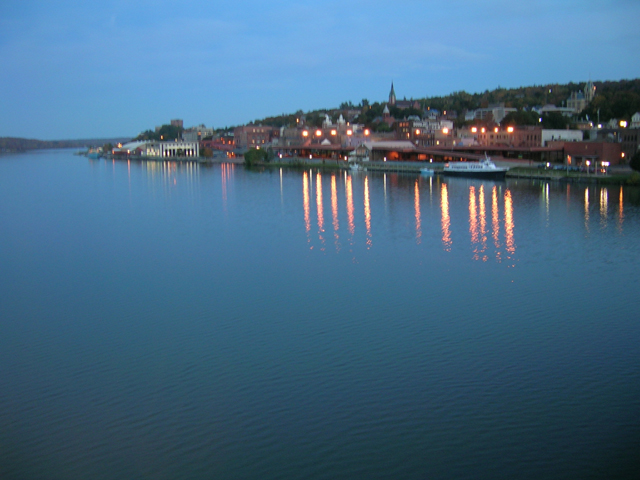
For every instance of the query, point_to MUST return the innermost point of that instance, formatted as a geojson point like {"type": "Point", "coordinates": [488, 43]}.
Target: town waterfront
{"type": "Point", "coordinates": [180, 320]}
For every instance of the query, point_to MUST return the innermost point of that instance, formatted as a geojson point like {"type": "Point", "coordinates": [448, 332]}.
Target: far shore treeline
{"type": "Point", "coordinates": [13, 145]}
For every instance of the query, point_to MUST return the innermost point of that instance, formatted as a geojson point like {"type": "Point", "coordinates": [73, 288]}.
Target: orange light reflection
{"type": "Point", "coordinates": [416, 204]}
{"type": "Point", "coordinates": [349, 193]}
{"type": "Point", "coordinates": [446, 220]}
{"type": "Point", "coordinates": [334, 211]}
{"type": "Point", "coordinates": [319, 206]}
{"type": "Point", "coordinates": [508, 222]}
{"type": "Point", "coordinates": [305, 202]}
{"type": "Point", "coordinates": [367, 211]}
{"type": "Point", "coordinates": [495, 221]}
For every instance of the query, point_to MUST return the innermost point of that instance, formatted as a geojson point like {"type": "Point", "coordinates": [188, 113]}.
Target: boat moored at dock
{"type": "Point", "coordinates": [482, 169]}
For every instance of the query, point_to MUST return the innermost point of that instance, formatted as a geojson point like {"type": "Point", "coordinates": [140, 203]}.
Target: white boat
{"type": "Point", "coordinates": [429, 172]}
{"type": "Point", "coordinates": [355, 167]}
{"type": "Point", "coordinates": [482, 169]}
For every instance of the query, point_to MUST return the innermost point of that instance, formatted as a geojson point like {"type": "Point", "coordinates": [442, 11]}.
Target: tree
{"type": "Point", "coordinates": [555, 121]}
{"type": "Point", "coordinates": [383, 127]}
{"type": "Point", "coordinates": [634, 163]}
{"type": "Point", "coordinates": [254, 156]}
{"type": "Point", "coordinates": [520, 117]}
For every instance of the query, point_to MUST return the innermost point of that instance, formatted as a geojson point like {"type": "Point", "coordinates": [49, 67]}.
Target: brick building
{"type": "Point", "coordinates": [523, 136]}
{"type": "Point", "coordinates": [577, 153]}
{"type": "Point", "coordinates": [252, 136]}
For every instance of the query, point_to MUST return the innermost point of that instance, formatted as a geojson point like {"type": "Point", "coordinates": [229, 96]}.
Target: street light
{"type": "Point", "coordinates": [510, 129]}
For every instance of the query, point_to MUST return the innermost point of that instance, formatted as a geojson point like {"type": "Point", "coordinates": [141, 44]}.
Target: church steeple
{"type": "Point", "coordinates": [392, 96]}
{"type": "Point", "coordinates": [589, 90]}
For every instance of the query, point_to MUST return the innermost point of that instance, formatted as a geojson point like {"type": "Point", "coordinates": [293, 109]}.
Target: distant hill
{"type": "Point", "coordinates": [12, 144]}
{"type": "Point", "coordinates": [613, 99]}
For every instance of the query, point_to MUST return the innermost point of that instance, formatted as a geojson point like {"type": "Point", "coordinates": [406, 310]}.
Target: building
{"type": "Point", "coordinates": [425, 133]}
{"type": "Point", "coordinates": [523, 136]}
{"type": "Point", "coordinates": [177, 123]}
{"type": "Point", "coordinates": [392, 96]}
{"type": "Point", "coordinates": [496, 111]}
{"type": "Point", "coordinates": [176, 149]}
{"type": "Point", "coordinates": [196, 134]}
{"type": "Point", "coordinates": [566, 111]}
{"type": "Point", "coordinates": [577, 102]}
{"type": "Point", "coordinates": [549, 135]}
{"type": "Point", "coordinates": [252, 136]}
{"type": "Point", "coordinates": [578, 153]}
{"type": "Point", "coordinates": [179, 149]}
{"type": "Point", "coordinates": [629, 142]}
{"type": "Point", "coordinates": [635, 120]}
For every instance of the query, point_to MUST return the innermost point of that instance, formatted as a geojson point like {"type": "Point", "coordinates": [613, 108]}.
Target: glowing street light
{"type": "Point", "coordinates": [305, 133]}
{"type": "Point", "coordinates": [334, 132]}
{"type": "Point", "coordinates": [417, 131]}
{"type": "Point", "coordinates": [349, 132]}
{"type": "Point", "coordinates": [623, 123]}
{"type": "Point", "coordinates": [495, 130]}
{"type": "Point", "coordinates": [366, 132]}
{"type": "Point", "coordinates": [474, 129]}
{"type": "Point", "coordinates": [445, 130]}
{"type": "Point", "coordinates": [318, 133]}
{"type": "Point", "coordinates": [510, 129]}
{"type": "Point", "coordinates": [483, 130]}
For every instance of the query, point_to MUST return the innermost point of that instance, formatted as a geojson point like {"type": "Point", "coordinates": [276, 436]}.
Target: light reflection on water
{"type": "Point", "coordinates": [139, 340]}
{"type": "Point", "coordinates": [479, 228]}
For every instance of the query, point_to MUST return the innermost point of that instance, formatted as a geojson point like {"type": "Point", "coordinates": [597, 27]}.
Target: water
{"type": "Point", "coordinates": [182, 321]}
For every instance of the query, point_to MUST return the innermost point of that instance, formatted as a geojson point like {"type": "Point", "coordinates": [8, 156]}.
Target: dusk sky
{"type": "Point", "coordinates": [78, 69]}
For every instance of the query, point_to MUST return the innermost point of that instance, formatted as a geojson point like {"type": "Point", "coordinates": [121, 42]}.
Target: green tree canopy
{"type": "Point", "coordinates": [521, 117]}
{"type": "Point", "coordinates": [166, 133]}
{"type": "Point", "coordinates": [555, 121]}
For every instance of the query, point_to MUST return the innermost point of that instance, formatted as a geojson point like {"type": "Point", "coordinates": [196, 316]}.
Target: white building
{"type": "Point", "coordinates": [549, 135]}
{"type": "Point", "coordinates": [179, 149]}
{"type": "Point", "coordinates": [160, 149]}
{"type": "Point", "coordinates": [567, 112]}
{"type": "Point", "coordinates": [498, 112]}
{"type": "Point", "coordinates": [195, 134]}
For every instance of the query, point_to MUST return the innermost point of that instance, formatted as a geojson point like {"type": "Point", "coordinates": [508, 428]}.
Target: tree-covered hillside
{"type": "Point", "coordinates": [614, 99]}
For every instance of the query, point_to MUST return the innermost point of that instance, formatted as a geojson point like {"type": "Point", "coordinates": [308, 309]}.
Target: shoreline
{"type": "Point", "coordinates": [621, 177]}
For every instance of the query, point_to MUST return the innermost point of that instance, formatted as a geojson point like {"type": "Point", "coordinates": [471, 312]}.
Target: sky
{"type": "Point", "coordinates": [114, 68]}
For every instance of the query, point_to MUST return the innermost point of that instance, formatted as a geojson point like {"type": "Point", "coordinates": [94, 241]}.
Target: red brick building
{"type": "Point", "coordinates": [576, 153]}
{"type": "Point", "coordinates": [252, 136]}
{"type": "Point", "coordinates": [523, 136]}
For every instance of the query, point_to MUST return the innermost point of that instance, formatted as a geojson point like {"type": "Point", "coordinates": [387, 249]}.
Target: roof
{"type": "Point", "coordinates": [132, 145]}
{"type": "Point", "coordinates": [390, 145]}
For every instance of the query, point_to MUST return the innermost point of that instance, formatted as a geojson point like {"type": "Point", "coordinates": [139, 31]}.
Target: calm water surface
{"type": "Point", "coordinates": [171, 320]}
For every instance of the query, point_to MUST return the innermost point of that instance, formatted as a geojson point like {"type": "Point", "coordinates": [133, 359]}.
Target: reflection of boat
{"type": "Point", "coordinates": [482, 169]}
{"type": "Point", "coordinates": [427, 171]}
